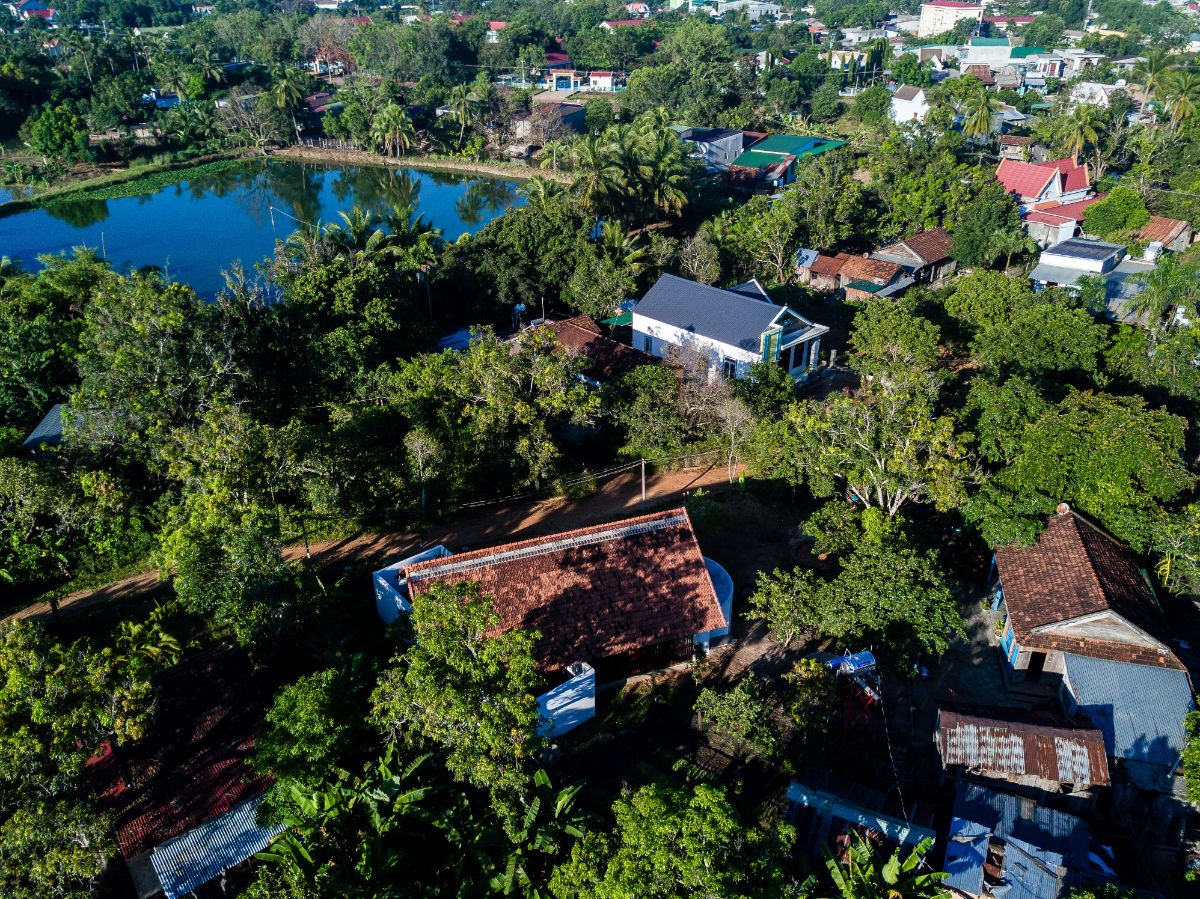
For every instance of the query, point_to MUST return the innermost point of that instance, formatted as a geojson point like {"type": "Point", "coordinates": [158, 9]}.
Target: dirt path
{"type": "Point", "coordinates": [615, 497]}
{"type": "Point", "coordinates": [496, 169]}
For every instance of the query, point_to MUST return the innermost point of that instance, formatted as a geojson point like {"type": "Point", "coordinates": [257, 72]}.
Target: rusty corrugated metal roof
{"type": "Point", "coordinates": [1073, 755]}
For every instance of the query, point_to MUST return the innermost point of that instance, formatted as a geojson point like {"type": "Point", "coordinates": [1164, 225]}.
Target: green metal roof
{"type": "Point", "coordinates": [625, 318]}
{"type": "Point", "coordinates": [988, 42]}
{"type": "Point", "coordinates": [1023, 52]}
{"type": "Point", "coordinates": [775, 148]}
{"type": "Point", "coordinates": [865, 286]}
{"type": "Point", "coordinates": [753, 159]}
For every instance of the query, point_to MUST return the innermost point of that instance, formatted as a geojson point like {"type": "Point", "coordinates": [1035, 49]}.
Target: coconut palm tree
{"type": "Point", "coordinates": [539, 192]}
{"type": "Point", "coordinates": [1182, 95]}
{"type": "Point", "coordinates": [393, 129]}
{"type": "Point", "coordinates": [1154, 72]}
{"type": "Point", "coordinates": [287, 90]}
{"type": "Point", "coordinates": [979, 108]}
{"type": "Point", "coordinates": [1082, 128]}
{"type": "Point", "coordinates": [666, 174]}
{"type": "Point", "coordinates": [208, 65]}
{"type": "Point", "coordinates": [597, 175]}
{"type": "Point", "coordinates": [621, 248]}
{"type": "Point", "coordinates": [460, 107]}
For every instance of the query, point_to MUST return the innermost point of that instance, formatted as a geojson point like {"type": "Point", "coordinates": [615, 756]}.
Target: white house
{"type": "Point", "coordinates": [754, 9]}
{"type": "Point", "coordinates": [1095, 93]}
{"type": "Point", "coordinates": [717, 147]}
{"type": "Point", "coordinates": [938, 16]}
{"type": "Point", "coordinates": [909, 104]}
{"type": "Point", "coordinates": [734, 327]}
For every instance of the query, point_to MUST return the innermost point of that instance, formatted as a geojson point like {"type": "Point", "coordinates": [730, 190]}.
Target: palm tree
{"type": "Point", "coordinates": [208, 65]}
{"type": "Point", "coordinates": [357, 236]}
{"type": "Point", "coordinates": [979, 109]}
{"type": "Point", "coordinates": [1182, 95]}
{"type": "Point", "coordinates": [287, 90]}
{"type": "Point", "coordinates": [861, 876]}
{"type": "Point", "coordinates": [1083, 128]}
{"type": "Point", "coordinates": [539, 192]}
{"type": "Point", "coordinates": [666, 174]}
{"type": "Point", "coordinates": [1011, 243]}
{"type": "Point", "coordinates": [597, 175]}
{"type": "Point", "coordinates": [392, 128]}
{"type": "Point", "coordinates": [460, 107]}
{"type": "Point", "coordinates": [1154, 72]}
{"type": "Point", "coordinates": [623, 249]}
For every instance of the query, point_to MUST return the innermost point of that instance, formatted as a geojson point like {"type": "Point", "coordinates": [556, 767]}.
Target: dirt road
{"type": "Point", "coordinates": [617, 496]}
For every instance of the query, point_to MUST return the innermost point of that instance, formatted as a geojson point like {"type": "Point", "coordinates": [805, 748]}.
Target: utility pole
{"type": "Point", "coordinates": [643, 485]}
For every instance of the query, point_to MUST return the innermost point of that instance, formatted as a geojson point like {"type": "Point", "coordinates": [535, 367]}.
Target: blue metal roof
{"type": "Point", "coordinates": [49, 430]}
{"type": "Point", "coordinates": [1138, 708]}
{"type": "Point", "coordinates": [196, 857]}
{"type": "Point", "coordinates": [966, 851]}
{"type": "Point", "coordinates": [1042, 846]}
{"type": "Point", "coordinates": [726, 316]}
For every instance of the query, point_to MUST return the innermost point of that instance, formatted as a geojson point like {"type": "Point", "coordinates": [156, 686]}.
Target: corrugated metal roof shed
{"type": "Point", "coordinates": [1138, 708]}
{"type": "Point", "coordinates": [1038, 849]}
{"type": "Point", "coordinates": [833, 813]}
{"type": "Point", "coordinates": [1019, 748]}
{"type": "Point", "coordinates": [196, 857]}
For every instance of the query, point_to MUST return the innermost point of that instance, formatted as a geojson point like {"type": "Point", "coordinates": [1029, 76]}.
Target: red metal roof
{"type": "Point", "coordinates": [1075, 176]}
{"type": "Point", "coordinates": [614, 23]}
{"type": "Point", "coordinates": [1011, 748]}
{"type": "Point", "coordinates": [829, 265]}
{"type": "Point", "coordinates": [497, 26]}
{"type": "Point", "coordinates": [952, 4]}
{"type": "Point", "coordinates": [1161, 229]}
{"type": "Point", "coordinates": [1025, 179]}
{"type": "Point", "coordinates": [864, 268]}
{"type": "Point", "coordinates": [594, 592]}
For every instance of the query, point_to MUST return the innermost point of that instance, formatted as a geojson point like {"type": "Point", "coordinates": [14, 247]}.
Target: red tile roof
{"type": "Point", "coordinates": [1072, 210]}
{"type": "Point", "coordinates": [607, 358]}
{"type": "Point", "coordinates": [1015, 140]}
{"type": "Point", "coordinates": [497, 26]}
{"type": "Point", "coordinates": [615, 23]}
{"type": "Point", "coordinates": [594, 592]}
{"type": "Point", "coordinates": [1075, 176]}
{"type": "Point", "coordinates": [1075, 569]}
{"type": "Point", "coordinates": [1025, 179]}
{"type": "Point", "coordinates": [191, 766]}
{"type": "Point", "coordinates": [931, 246]}
{"type": "Point", "coordinates": [1017, 748]}
{"type": "Point", "coordinates": [1161, 229]}
{"type": "Point", "coordinates": [952, 4]}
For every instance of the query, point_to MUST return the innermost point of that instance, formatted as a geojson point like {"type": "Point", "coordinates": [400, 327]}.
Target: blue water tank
{"type": "Point", "coordinates": [858, 663]}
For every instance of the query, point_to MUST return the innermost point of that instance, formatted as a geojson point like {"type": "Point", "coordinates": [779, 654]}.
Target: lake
{"type": "Point", "coordinates": [196, 229]}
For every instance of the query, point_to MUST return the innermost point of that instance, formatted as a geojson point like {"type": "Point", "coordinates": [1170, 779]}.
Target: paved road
{"type": "Point", "coordinates": [617, 496]}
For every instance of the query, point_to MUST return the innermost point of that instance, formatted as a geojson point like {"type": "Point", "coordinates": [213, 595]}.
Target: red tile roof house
{"type": "Point", "coordinates": [1077, 611]}
{"type": "Point", "coordinates": [183, 797]}
{"type": "Point", "coordinates": [607, 359]}
{"type": "Point", "coordinates": [609, 601]}
{"type": "Point", "coordinates": [924, 256]}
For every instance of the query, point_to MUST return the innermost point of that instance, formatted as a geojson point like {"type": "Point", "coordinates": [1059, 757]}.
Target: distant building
{"type": "Point", "coordinates": [612, 24]}
{"type": "Point", "coordinates": [909, 104]}
{"type": "Point", "coordinates": [938, 16]}
{"type": "Point", "coordinates": [717, 147]}
{"type": "Point", "coordinates": [1036, 183]}
{"type": "Point", "coordinates": [492, 35]}
{"type": "Point", "coordinates": [734, 328]}
{"type": "Point", "coordinates": [924, 256]}
{"type": "Point", "coordinates": [771, 163]}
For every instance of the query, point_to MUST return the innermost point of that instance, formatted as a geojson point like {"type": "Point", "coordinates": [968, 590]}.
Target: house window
{"type": "Point", "coordinates": [647, 343]}
{"type": "Point", "coordinates": [729, 369]}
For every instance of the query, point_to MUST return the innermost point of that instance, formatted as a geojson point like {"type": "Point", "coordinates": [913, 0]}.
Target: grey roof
{"type": "Point", "coordinates": [1120, 292]}
{"type": "Point", "coordinates": [1082, 248]}
{"type": "Point", "coordinates": [49, 430]}
{"type": "Point", "coordinates": [1056, 274]}
{"type": "Point", "coordinates": [908, 92]}
{"type": "Point", "coordinates": [1138, 708]}
{"type": "Point", "coordinates": [707, 135]}
{"type": "Point", "coordinates": [1044, 847]}
{"type": "Point", "coordinates": [721, 315]}
{"type": "Point", "coordinates": [196, 857]}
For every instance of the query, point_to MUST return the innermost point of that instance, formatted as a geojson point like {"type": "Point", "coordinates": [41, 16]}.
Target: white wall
{"type": "Point", "coordinates": [663, 336]}
{"type": "Point", "coordinates": [570, 703]}
{"type": "Point", "coordinates": [909, 110]}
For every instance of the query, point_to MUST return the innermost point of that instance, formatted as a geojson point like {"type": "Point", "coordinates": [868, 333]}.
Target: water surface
{"type": "Point", "coordinates": [196, 229]}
